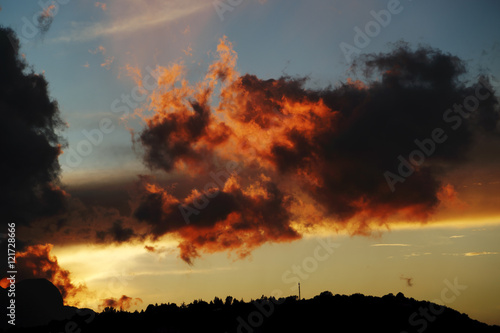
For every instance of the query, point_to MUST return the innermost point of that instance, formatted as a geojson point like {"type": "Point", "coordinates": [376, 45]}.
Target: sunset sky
{"type": "Point", "coordinates": [216, 148]}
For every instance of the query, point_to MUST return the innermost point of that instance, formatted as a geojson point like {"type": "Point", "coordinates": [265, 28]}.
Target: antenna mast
{"type": "Point", "coordinates": [299, 291]}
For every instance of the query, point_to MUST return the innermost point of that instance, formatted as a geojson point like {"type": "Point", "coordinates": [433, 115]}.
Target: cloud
{"type": "Point", "coordinates": [100, 49]}
{"type": "Point", "coordinates": [390, 245]}
{"type": "Point", "coordinates": [238, 219]}
{"type": "Point", "coordinates": [99, 213]}
{"type": "Point", "coordinates": [474, 254]}
{"type": "Point", "coordinates": [151, 249]}
{"type": "Point", "coordinates": [188, 51]}
{"type": "Point", "coordinates": [45, 18]}
{"type": "Point", "coordinates": [470, 254]}
{"type": "Point", "coordinates": [302, 158]}
{"type": "Point", "coordinates": [31, 145]}
{"type": "Point", "coordinates": [409, 280]}
{"type": "Point", "coordinates": [415, 254]}
{"type": "Point", "coordinates": [457, 236]}
{"type": "Point", "coordinates": [138, 17]}
{"type": "Point", "coordinates": [184, 272]}
{"type": "Point", "coordinates": [448, 196]}
{"type": "Point", "coordinates": [101, 5]}
{"type": "Point", "coordinates": [37, 262]}
{"type": "Point", "coordinates": [107, 62]}
{"type": "Point", "coordinates": [117, 233]}
{"type": "Point", "coordinates": [123, 303]}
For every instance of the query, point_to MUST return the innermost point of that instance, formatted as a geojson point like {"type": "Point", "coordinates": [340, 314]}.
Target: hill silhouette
{"type": "Point", "coordinates": [37, 303]}
{"type": "Point", "coordinates": [336, 313]}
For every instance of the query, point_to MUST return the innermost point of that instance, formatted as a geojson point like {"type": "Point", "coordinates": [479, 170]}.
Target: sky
{"type": "Point", "coordinates": [166, 151]}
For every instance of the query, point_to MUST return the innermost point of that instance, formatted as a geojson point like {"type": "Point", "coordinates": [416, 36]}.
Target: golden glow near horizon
{"type": "Point", "coordinates": [427, 254]}
{"type": "Point", "coordinates": [370, 265]}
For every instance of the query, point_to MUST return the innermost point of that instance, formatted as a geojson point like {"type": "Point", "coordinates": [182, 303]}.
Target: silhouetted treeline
{"type": "Point", "coordinates": [323, 313]}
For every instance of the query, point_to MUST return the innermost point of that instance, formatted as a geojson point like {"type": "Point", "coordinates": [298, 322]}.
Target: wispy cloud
{"type": "Point", "coordinates": [377, 245]}
{"type": "Point", "coordinates": [45, 18]}
{"type": "Point", "coordinates": [184, 271]}
{"type": "Point", "coordinates": [470, 254]}
{"type": "Point", "coordinates": [101, 5]}
{"type": "Point", "coordinates": [415, 254]}
{"type": "Point", "coordinates": [107, 62]}
{"type": "Point", "coordinates": [100, 49]}
{"type": "Point", "coordinates": [457, 236]}
{"type": "Point", "coordinates": [473, 254]}
{"type": "Point", "coordinates": [409, 280]}
{"type": "Point", "coordinates": [136, 21]}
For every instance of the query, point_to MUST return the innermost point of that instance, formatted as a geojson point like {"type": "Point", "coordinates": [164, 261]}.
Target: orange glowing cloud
{"type": "Point", "coordinates": [37, 262]}
{"type": "Point", "coordinates": [107, 62]}
{"type": "Point", "coordinates": [4, 283]}
{"type": "Point", "coordinates": [449, 197]}
{"type": "Point", "coordinates": [299, 157]}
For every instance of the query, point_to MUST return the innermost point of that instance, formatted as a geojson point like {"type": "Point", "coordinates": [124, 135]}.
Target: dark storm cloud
{"type": "Point", "coordinates": [370, 125]}
{"type": "Point", "coordinates": [30, 145]}
{"type": "Point", "coordinates": [117, 233]}
{"type": "Point", "coordinates": [169, 139]}
{"type": "Point", "coordinates": [234, 219]}
{"type": "Point", "coordinates": [376, 124]}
